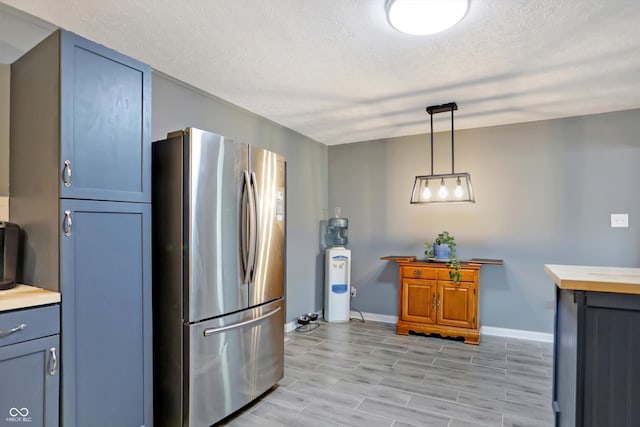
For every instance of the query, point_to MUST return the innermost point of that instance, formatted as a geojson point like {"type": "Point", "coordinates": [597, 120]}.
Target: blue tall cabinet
{"type": "Point", "coordinates": [80, 188]}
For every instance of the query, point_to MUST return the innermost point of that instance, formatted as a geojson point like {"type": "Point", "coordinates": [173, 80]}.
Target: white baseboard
{"type": "Point", "coordinates": [290, 326]}
{"type": "Point", "coordinates": [374, 317]}
{"type": "Point", "coordinates": [516, 333]}
{"type": "Point", "coordinates": [484, 330]}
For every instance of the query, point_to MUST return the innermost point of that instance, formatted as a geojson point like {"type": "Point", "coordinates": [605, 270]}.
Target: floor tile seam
{"type": "Point", "coordinates": [468, 419]}
{"type": "Point", "coordinates": [531, 359]}
{"type": "Point", "coordinates": [479, 363]}
{"type": "Point", "coordinates": [387, 348]}
{"type": "Point", "coordinates": [523, 403]}
{"type": "Point", "coordinates": [262, 418]}
{"type": "Point", "coordinates": [427, 413]}
{"type": "Point", "coordinates": [329, 402]}
{"type": "Point", "coordinates": [475, 368]}
{"type": "Point", "coordinates": [516, 413]}
{"type": "Point", "coordinates": [364, 396]}
{"type": "Point", "coordinates": [472, 351]}
{"type": "Point", "coordinates": [462, 388]}
{"type": "Point", "coordinates": [541, 375]}
{"type": "Point", "coordinates": [461, 404]}
{"type": "Point", "coordinates": [481, 355]}
{"type": "Point", "coordinates": [472, 395]}
{"type": "Point", "coordinates": [358, 346]}
{"type": "Point", "coordinates": [302, 397]}
{"type": "Point", "coordinates": [515, 365]}
{"type": "Point", "coordinates": [395, 387]}
{"type": "Point", "coordinates": [364, 412]}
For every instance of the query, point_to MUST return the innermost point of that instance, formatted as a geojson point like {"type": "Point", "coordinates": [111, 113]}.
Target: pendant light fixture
{"type": "Point", "coordinates": [422, 17]}
{"type": "Point", "coordinates": [444, 188]}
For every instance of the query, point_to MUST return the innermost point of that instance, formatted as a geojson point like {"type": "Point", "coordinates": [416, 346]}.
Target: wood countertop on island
{"type": "Point", "coordinates": [24, 296]}
{"type": "Point", "coordinates": [595, 279]}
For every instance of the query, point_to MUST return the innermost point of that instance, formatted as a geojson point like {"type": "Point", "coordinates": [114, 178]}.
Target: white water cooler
{"type": "Point", "coordinates": [337, 298]}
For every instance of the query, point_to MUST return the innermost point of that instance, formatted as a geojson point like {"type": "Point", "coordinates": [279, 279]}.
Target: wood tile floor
{"type": "Point", "coordinates": [363, 374]}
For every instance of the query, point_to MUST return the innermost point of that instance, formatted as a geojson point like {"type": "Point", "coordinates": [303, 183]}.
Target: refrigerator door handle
{"type": "Point", "coordinates": [246, 228]}
{"type": "Point", "coordinates": [252, 230]}
{"type": "Point", "coordinates": [256, 210]}
{"type": "Point", "coordinates": [212, 331]}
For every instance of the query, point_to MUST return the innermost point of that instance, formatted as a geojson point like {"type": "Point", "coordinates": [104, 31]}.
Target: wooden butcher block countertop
{"type": "Point", "coordinates": [24, 296]}
{"type": "Point", "coordinates": [595, 279]}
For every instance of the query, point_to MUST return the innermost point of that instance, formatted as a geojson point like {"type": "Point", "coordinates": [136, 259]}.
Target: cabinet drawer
{"type": "Point", "coordinates": [465, 275]}
{"type": "Point", "coordinates": [420, 272]}
{"type": "Point", "coordinates": [38, 322]}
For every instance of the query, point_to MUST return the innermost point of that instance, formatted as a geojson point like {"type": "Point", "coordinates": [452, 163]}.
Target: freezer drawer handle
{"type": "Point", "coordinates": [11, 331]}
{"type": "Point", "coordinates": [212, 331]}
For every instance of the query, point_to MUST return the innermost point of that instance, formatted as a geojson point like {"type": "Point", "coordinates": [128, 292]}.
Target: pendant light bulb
{"type": "Point", "coordinates": [458, 192]}
{"type": "Point", "coordinates": [443, 190]}
{"type": "Point", "coordinates": [426, 193]}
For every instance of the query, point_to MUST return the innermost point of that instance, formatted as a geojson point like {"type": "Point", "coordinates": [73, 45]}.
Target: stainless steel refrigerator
{"type": "Point", "coordinates": [218, 272]}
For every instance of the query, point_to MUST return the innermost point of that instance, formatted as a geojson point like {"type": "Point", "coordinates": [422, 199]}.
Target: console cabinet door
{"type": "Point", "coordinates": [106, 314]}
{"type": "Point", "coordinates": [456, 304]}
{"type": "Point", "coordinates": [105, 123]}
{"type": "Point", "coordinates": [419, 300]}
{"type": "Point", "coordinates": [29, 383]}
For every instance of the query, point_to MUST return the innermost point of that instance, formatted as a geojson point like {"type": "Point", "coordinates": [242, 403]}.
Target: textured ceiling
{"type": "Point", "coordinates": [334, 70]}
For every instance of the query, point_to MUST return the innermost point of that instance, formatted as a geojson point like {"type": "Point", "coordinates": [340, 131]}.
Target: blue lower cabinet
{"type": "Point", "coordinates": [106, 314]}
{"type": "Point", "coordinates": [29, 385]}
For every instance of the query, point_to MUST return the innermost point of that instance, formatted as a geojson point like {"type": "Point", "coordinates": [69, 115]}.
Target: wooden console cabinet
{"type": "Point", "coordinates": [431, 303]}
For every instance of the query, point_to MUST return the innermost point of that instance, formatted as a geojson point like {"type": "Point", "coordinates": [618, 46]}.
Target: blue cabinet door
{"type": "Point", "coordinates": [105, 117]}
{"type": "Point", "coordinates": [29, 384]}
{"type": "Point", "coordinates": [106, 314]}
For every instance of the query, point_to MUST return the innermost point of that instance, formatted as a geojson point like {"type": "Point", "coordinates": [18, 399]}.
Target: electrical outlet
{"type": "Point", "coordinates": [353, 292]}
{"type": "Point", "coordinates": [619, 220]}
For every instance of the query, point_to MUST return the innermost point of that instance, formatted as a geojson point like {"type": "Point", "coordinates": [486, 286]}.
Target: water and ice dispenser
{"type": "Point", "coordinates": [337, 300]}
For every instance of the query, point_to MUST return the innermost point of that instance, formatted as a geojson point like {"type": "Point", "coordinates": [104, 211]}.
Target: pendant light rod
{"type": "Point", "coordinates": [431, 116]}
{"type": "Point", "coordinates": [435, 109]}
{"type": "Point", "coordinates": [452, 150]}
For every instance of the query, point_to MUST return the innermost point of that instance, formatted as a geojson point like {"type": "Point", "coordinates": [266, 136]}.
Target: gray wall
{"type": "Point", "coordinates": [4, 128]}
{"type": "Point", "coordinates": [176, 106]}
{"type": "Point", "coordinates": [544, 194]}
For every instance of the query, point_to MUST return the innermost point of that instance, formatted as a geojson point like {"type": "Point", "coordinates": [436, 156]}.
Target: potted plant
{"type": "Point", "coordinates": [444, 249]}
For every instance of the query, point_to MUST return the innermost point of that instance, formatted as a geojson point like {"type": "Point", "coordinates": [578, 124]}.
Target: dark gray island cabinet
{"type": "Point", "coordinates": [596, 377]}
{"type": "Point", "coordinates": [80, 187]}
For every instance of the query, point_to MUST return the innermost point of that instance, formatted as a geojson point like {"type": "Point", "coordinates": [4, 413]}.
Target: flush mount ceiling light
{"type": "Point", "coordinates": [421, 17]}
{"type": "Point", "coordinates": [443, 188]}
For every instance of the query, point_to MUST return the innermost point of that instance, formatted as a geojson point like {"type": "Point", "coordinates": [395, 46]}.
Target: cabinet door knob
{"type": "Point", "coordinates": [12, 330]}
{"type": "Point", "coordinates": [66, 173]}
{"type": "Point", "coordinates": [67, 223]}
{"type": "Point", "coordinates": [433, 302]}
{"type": "Point", "coordinates": [438, 301]}
{"type": "Point", "coordinates": [53, 362]}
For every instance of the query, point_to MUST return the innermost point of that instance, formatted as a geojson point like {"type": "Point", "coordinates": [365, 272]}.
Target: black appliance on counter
{"type": "Point", "coordinates": [9, 243]}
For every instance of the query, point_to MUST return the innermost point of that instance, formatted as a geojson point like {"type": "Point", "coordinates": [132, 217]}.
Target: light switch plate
{"type": "Point", "coordinates": [619, 220]}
